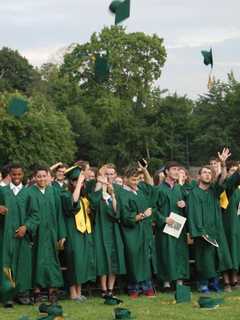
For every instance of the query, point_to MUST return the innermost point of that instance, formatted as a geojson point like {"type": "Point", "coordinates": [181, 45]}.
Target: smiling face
{"type": "Point", "coordinates": [16, 175]}
{"type": "Point", "coordinates": [60, 174]}
{"type": "Point", "coordinates": [132, 182]}
{"type": "Point", "coordinates": [41, 178]}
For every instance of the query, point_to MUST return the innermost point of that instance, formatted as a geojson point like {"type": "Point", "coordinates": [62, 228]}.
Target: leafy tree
{"type": "Point", "coordinates": [216, 121]}
{"type": "Point", "coordinates": [15, 72]}
{"type": "Point", "coordinates": [40, 135]}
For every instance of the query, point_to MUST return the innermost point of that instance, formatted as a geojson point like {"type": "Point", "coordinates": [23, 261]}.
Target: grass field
{"type": "Point", "coordinates": [161, 307]}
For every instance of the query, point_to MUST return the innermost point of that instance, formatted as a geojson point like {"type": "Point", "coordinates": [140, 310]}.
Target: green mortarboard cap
{"type": "Point", "coordinates": [51, 309]}
{"type": "Point", "coordinates": [122, 313]}
{"type": "Point", "coordinates": [17, 107]}
{"type": "Point", "coordinates": [183, 293]}
{"type": "Point", "coordinates": [51, 317]}
{"type": "Point", "coordinates": [208, 57]}
{"type": "Point", "coordinates": [73, 173]}
{"type": "Point", "coordinates": [112, 301]}
{"type": "Point", "coordinates": [209, 303]}
{"type": "Point", "coordinates": [121, 9]}
{"type": "Point", "coordinates": [101, 68]}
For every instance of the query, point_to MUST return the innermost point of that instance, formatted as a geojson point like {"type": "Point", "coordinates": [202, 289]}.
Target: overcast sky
{"type": "Point", "coordinates": [38, 28]}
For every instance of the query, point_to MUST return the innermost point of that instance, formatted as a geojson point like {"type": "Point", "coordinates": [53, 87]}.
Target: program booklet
{"type": "Point", "coordinates": [176, 228]}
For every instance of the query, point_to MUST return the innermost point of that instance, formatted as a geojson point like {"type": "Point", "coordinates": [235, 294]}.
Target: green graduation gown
{"type": "Point", "coordinates": [79, 249]}
{"type": "Point", "coordinates": [46, 267]}
{"type": "Point", "coordinates": [137, 236]}
{"type": "Point", "coordinates": [107, 236]}
{"type": "Point", "coordinates": [172, 253]}
{"type": "Point", "coordinates": [204, 217]}
{"type": "Point", "coordinates": [16, 253]}
{"type": "Point", "coordinates": [231, 219]}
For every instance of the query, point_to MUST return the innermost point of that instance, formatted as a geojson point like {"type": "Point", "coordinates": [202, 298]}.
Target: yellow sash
{"type": "Point", "coordinates": [224, 200]}
{"type": "Point", "coordinates": [82, 219]}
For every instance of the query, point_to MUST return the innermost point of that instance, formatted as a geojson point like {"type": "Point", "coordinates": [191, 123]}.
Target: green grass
{"type": "Point", "coordinates": [162, 308]}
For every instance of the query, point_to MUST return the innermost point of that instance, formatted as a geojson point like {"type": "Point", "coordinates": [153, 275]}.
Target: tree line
{"type": "Point", "coordinates": [120, 119]}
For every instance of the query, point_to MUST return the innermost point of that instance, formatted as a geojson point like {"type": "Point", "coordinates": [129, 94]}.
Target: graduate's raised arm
{"type": "Point", "coordinates": [143, 166]}
{"type": "Point", "coordinates": [223, 156]}
{"type": "Point", "coordinates": [76, 192]}
{"type": "Point", "coordinates": [55, 166]}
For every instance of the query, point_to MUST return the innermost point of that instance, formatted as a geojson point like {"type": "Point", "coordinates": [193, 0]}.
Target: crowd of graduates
{"type": "Point", "coordinates": [97, 225]}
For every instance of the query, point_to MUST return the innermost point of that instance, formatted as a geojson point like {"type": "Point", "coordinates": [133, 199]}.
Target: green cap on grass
{"type": "Point", "coordinates": [209, 303]}
{"type": "Point", "coordinates": [122, 313]}
{"type": "Point", "coordinates": [183, 293]}
{"type": "Point", "coordinates": [112, 301]}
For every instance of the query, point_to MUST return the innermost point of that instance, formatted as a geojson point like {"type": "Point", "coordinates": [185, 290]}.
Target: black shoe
{"type": "Point", "coordinates": [104, 294]}
{"type": "Point", "coordinates": [167, 289]}
{"type": "Point", "coordinates": [8, 304]}
{"type": "Point", "coordinates": [37, 297]}
{"type": "Point", "coordinates": [53, 297]}
{"type": "Point", "coordinates": [24, 300]}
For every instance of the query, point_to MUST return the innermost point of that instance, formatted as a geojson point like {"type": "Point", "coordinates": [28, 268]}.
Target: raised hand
{"type": "Point", "coordinates": [81, 177]}
{"type": "Point", "coordinates": [141, 166]}
{"type": "Point", "coordinates": [224, 155]}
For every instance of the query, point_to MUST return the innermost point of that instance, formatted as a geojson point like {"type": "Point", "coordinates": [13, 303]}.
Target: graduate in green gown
{"type": "Point", "coordinates": [18, 228]}
{"type": "Point", "coordinates": [212, 254]}
{"type": "Point", "coordinates": [79, 247]}
{"type": "Point", "coordinates": [51, 235]}
{"type": "Point", "coordinates": [107, 234]}
{"type": "Point", "coordinates": [231, 223]}
{"type": "Point", "coordinates": [59, 177]}
{"type": "Point", "coordinates": [136, 221]}
{"type": "Point", "coordinates": [172, 253]}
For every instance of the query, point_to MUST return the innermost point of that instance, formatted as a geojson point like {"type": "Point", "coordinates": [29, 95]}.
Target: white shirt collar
{"type": "Point", "coordinates": [60, 183]}
{"type": "Point", "coordinates": [129, 189]}
{"type": "Point", "coordinates": [15, 189]}
{"type": "Point", "coordinates": [42, 190]}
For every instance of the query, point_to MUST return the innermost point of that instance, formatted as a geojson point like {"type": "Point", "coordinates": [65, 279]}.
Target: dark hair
{"type": "Point", "coordinates": [131, 171]}
{"type": "Point", "coordinates": [171, 164]}
{"type": "Point", "coordinates": [16, 166]}
{"type": "Point", "coordinates": [231, 163]}
{"type": "Point", "coordinates": [5, 170]}
{"type": "Point", "coordinates": [207, 166]}
{"type": "Point", "coordinates": [40, 168]}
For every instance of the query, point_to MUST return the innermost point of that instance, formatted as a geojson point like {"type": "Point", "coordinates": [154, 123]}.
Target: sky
{"type": "Point", "coordinates": [39, 28]}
